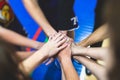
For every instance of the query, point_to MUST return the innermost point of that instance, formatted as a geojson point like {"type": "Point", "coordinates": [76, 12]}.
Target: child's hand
{"type": "Point", "coordinates": [55, 44]}
{"type": "Point", "coordinates": [76, 49]}
{"type": "Point", "coordinates": [65, 53]}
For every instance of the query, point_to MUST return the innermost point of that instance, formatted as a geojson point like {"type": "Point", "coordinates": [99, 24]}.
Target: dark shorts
{"type": "Point", "coordinates": [59, 13]}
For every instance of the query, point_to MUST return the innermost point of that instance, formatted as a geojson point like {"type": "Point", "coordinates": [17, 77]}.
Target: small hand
{"type": "Point", "coordinates": [65, 53]}
{"type": "Point", "coordinates": [76, 49]}
{"type": "Point", "coordinates": [55, 44]}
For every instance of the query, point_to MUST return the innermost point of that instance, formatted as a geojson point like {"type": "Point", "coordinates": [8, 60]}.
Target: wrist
{"type": "Point", "coordinates": [84, 43]}
{"type": "Point", "coordinates": [64, 59]}
{"type": "Point", "coordinates": [44, 51]}
{"type": "Point", "coordinates": [38, 45]}
{"type": "Point", "coordinates": [44, 54]}
{"type": "Point", "coordinates": [82, 51]}
{"type": "Point", "coordinates": [51, 32]}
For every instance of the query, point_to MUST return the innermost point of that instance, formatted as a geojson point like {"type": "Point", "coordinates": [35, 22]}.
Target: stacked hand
{"type": "Point", "coordinates": [55, 43]}
{"type": "Point", "coordinates": [102, 54]}
{"type": "Point", "coordinates": [65, 53]}
{"type": "Point", "coordinates": [77, 50]}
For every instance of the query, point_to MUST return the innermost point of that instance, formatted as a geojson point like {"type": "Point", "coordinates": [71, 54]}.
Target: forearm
{"type": "Point", "coordinates": [97, 36]}
{"type": "Point", "coordinates": [28, 65]}
{"type": "Point", "coordinates": [63, 75]}
{"type": "Point", "coordinates": [38, 16]}
{"type": "Point", "coordinates": [68, 69]}
{"type": "Point", "coordinates": [96, 69]}
{"type": "Point", "coordinates": [51, 48]}
{"type": "Point", "coordinates": [17, 39]}
{"type": "Point", "coordinates": [96, 53]}
{"type": "Point", "coordinates": [24, 54]}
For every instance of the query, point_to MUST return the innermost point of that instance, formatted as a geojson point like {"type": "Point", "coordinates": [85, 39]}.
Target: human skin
{"type": "Point", "coordinates": [35, 11]}
{"type": "Point", "coordinates": [66, 65]}
{"type": "Point", "coordinates": [100, 34]}
{"type": "Point", "coordinates": [18, 39]}
{"type": "Point", "coordinates": [37, 14]}
{"type": "Point", "coordinates": [49, 49]}
{"type": "Point", "coordinates": [97, 53]}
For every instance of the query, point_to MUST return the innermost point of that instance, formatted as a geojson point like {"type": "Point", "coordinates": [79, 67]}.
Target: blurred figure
{"type": "Point", "coordinates": [65, 58]}
{"type": "Point", "coordinates": [54, 16]}
{"type": "Point", "coordinates": [113, 16]}
{"type": "Point", "coordinates": [111, 56]}
{"type": "Point", "coordinates": [11, 68]}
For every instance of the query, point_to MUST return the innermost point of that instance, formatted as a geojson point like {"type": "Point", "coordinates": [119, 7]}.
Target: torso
{"type": "Point", "coordinates": [59, 13]}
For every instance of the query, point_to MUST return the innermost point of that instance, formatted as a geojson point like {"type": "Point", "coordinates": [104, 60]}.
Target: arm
{"type": "Point", "coordinates": [97, 53]}
{"type": "Point", "coordinates": [97, 36]}
{"type": "Point", "coordinates": [24, 54]}
{"type": "Point", "coordinates": [68, 69]}
{"type": "Point", "coordinates": [98, 70]}
{"type": "Point", "coordinates": [29, 64]}
{"type": "Point", "coordinates": [66, 64]}
{"type": "Point", "coordinates": [37, 14]}
{"type": "Point", "coordinates": [50, 49]}
{"type": "Point", "coordinates": [17, 39]}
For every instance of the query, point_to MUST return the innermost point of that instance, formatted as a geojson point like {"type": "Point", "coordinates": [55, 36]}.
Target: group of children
{"type": "Point", "coordinates": [18, 65]}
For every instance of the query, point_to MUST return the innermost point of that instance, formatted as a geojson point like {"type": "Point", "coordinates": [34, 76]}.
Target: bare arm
{"type": "Point", "coordinates": [98, 70]}
{"type": "Point", "coordinates": [67, 66]}
{"type": "Point", "coordinates": [17, 39]}
{"type": "Point", "coordinates": [97, 36]}
{"type": "Point", "coordinates": [97, 53]}
{"type": "Point", "coordinates": [24, 54]}
{"type": "Point", "coordinates": [50, 49]}
{"type": "Point", "coordinates": [68, 69]}
{"type": "Point", "coordinates": [29, 64]}
{"type": "Point", "coordinates": [37, 14]}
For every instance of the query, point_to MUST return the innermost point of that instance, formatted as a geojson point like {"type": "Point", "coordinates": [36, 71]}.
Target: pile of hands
{"type": "Point", "coordinates": [58, 45]}
{"type": "Point", "coordinates": [62, 47]}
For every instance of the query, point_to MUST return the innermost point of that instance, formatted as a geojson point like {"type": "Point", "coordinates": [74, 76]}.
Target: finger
{"type": "Point", "coordinates": [73, 44]}
{"type": "Point", "coordinates": [71, 40]}
{"type": "Point", "coordinates": [50, 61]}
{"type": "Point", "coordinates": [61, 42]}
{"type": "Point", "coordinates": [96, 53]}
{"type": "Point", "coordinates": [68, 39]}
{"type": "Point", "coordinates": [57, 36]}
{"type": "Point", "coordinates": [70, 43]}
{"type": "Point", "coordinates": [63, 46]}
{"type": "Point", "coordinates": [53, 35]}
{"type": "Point", "coordinates": [50, 38]}
{"type": "Point", "coordinates": [63, 32]}
{"type": "Point", "coordinates": [45, 61]}
{"type": "Point", "coordinates": [60, 38]}
{"type": "Point", "coordinates": [95, 68]}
